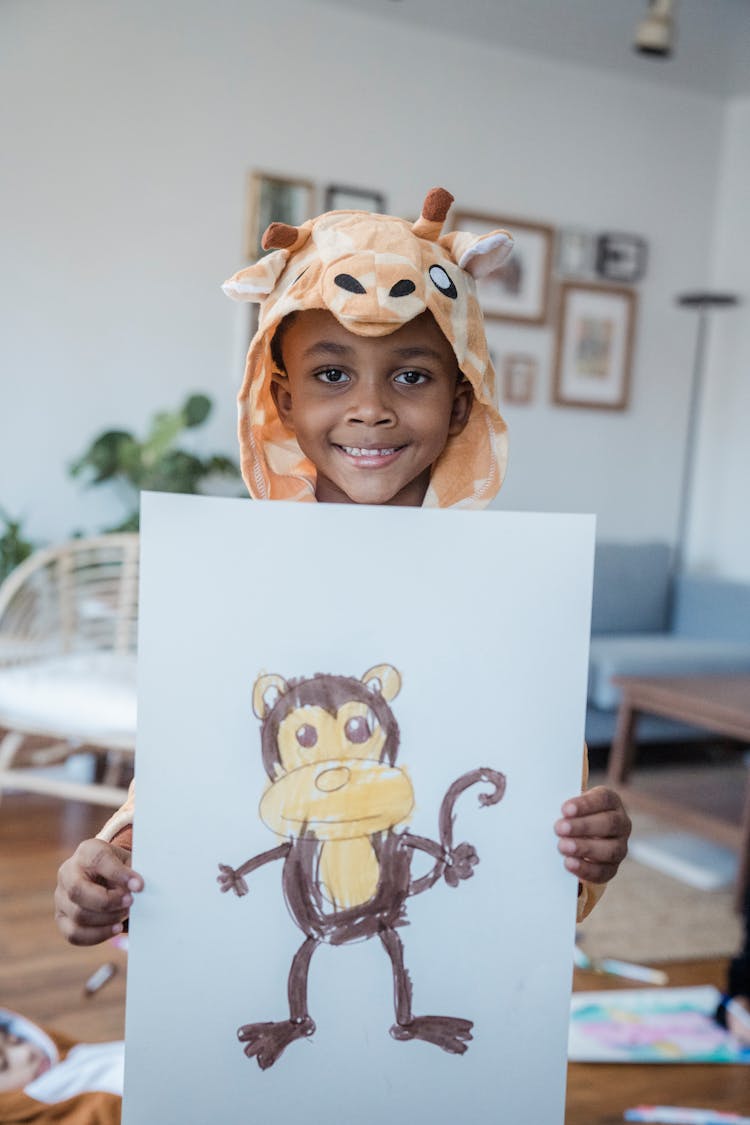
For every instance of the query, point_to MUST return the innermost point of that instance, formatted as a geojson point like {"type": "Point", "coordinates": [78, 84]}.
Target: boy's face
{"type": "Point", "coordinates": [372, 413]}
{"type": "Point", "coordinates": [20, 1062]}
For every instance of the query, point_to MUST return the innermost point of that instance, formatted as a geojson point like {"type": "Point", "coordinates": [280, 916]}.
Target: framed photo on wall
{"type": "Point", "coordinates": [520, 372]}
{"type": "Point", "coordinates": [339, 198]}
{"type": "Point", "coordinates": [595, 334]}
{"type": "Point", "coordinates": [275, 199]}
{"type": "Point", "coordinates": [520, 291]}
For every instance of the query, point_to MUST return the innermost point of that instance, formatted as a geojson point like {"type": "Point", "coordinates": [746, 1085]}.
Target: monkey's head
{"type": "Point", "coordinates": [329, 748]}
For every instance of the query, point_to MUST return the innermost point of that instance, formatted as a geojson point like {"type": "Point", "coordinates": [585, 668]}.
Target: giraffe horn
{"type": "Point", "coordinates": [434, 211]}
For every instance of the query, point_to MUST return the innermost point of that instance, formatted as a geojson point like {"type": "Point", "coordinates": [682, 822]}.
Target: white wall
{"type": "Point", "coordinates": [128, 132]}
{"type": "Point", "coordinates": [721, 512]}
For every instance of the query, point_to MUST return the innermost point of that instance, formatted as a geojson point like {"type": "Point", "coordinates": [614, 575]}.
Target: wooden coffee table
{"type": "Point", "coordinates": [717, 704]}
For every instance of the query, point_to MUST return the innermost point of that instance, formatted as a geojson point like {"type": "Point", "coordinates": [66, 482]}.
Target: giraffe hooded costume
{"type": "Point", "coordinates": [374, 273]}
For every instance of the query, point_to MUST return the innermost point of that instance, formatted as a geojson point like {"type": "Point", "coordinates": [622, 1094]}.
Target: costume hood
{"type": "Point", "coordinates": [374, 273]}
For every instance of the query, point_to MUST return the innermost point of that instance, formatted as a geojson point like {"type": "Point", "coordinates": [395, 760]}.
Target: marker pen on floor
{"type": "Point", "coordinates": [99, 978]}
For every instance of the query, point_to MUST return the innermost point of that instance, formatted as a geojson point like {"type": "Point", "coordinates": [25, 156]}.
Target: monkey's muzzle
{"type": "Point", "coordinates": [338, 799]}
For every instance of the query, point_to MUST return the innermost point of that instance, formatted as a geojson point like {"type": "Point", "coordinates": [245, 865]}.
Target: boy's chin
{"type": "Point", "coordinates": [373, 491]}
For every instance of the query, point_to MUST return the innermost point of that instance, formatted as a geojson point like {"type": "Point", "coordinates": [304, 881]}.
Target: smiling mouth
{"type": "Point", "coordinates": [371, 453]}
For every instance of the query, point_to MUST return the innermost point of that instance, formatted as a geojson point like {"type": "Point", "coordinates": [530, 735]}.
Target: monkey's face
{"type": "Point", "coordinates": [331, 780]}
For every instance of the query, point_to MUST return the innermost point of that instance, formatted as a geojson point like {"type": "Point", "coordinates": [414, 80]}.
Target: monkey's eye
{"type": "Point", "coordinates": [306, 735]}
{"type": "Point", "coordinates": [358, 729]}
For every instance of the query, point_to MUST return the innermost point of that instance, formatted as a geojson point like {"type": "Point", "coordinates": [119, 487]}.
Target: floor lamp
{"type": "Point", "coordinates": [703, 303]}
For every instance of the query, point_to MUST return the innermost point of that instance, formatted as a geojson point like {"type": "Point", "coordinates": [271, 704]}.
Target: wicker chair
{"type": "Point", "coordinates": [67, 667]}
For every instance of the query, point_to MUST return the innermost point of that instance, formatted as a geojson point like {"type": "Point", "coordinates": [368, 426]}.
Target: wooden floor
{"type": "Point", "coordinates": [43, 977]}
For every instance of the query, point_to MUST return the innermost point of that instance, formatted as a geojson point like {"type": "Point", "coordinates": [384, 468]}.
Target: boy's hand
{"type": "Point", "coordinates": [593, 832]}
{"type": "Point", "coordinates": [94, 892]}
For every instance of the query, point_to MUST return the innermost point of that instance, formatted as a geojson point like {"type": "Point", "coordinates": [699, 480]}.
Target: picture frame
{"type": "Point", "coordinates": [275, 198]}
{"type": "Point", "coordinates": [519, 377]}
{"type": "Point", "coordinates": [594, 346]}
{"type": "Point", "coordinates": [519, 292]}
{"type": "Point", "coordinates": [575, 254]}
{"type": "Point", "coordinates": [339, 197]}
{"type": "Point", "coordinates": [621, 257]}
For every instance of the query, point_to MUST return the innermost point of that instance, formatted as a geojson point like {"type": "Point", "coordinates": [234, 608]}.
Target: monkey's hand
{"type": "Point", "coordinates": [229, 880]}
{"type": "Point", "coordinates": [460, 863]}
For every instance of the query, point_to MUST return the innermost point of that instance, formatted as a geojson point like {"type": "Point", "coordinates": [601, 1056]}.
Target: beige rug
{"type": "Point", "coordinates": [650, 917]}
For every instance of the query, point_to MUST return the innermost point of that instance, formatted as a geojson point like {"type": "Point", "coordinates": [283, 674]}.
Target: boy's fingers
{"type": "Point", "coordinates": [612, 824]}
{"type": "Point", "coordinates": [611, 850]}
{"type": "Point", "coordinates": [107, 864]}
{"type": "Point", "coordinates": [590, 871]}
{"type": "Point", "coordinates": [598, 799]}
{"type": "Point", "coordinates": [84, 935]}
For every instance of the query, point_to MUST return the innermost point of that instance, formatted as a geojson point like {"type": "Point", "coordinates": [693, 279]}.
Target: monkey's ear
{"type": "Point", "coordinates": [266, 690]}
{"type": "Point", "coordinates": [385, 679]}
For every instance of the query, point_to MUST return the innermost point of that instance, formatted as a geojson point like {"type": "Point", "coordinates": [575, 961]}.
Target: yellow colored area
{"type": "Point", "coordinates": [348, 872]}
{"type": "Point", "coordinates": [339, 799]}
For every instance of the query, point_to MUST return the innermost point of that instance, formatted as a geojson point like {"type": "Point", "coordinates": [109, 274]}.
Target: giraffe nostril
{"type": "Point", "coordinates": [346, 281]}
{"type": "Point", "coordinates": [402, 288]}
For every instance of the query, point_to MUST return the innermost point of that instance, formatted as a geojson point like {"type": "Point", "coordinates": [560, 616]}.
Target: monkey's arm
{"type": "Point", "coordinates": [455, 863]}
{"type": "Point", "coordinates": [231, 878]}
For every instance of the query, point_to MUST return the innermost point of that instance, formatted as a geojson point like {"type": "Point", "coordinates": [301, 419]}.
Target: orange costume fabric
{"type": "Point", "coordinates": [374, 273]}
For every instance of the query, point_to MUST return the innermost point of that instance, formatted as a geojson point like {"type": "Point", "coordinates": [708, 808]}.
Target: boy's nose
{"type": "Point", "coordinates": [372, 406]}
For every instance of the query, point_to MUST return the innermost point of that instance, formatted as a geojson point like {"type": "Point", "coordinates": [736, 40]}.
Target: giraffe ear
{"type": "Point", "coordinates": [256, 282]}
{"type": "Point", "coordinates": [479, 255]}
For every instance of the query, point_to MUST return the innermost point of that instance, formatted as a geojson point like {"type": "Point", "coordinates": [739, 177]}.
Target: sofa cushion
{"type": "Point", "coordinates": [658, 655]}
{"type": "Point", "coordinates": [631, 588]}
{"type": "Point", "coordinates": [85, 696]}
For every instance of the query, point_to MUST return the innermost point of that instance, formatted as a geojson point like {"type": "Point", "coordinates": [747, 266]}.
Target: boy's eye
{"type": "Point", "coordinates": [411, 378]}
{"type": "Point", "coordinates": [332, 375]}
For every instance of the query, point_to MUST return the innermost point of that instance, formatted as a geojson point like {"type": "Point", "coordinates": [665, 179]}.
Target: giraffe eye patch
{"type": "Point", "coordinates": [442, 281]}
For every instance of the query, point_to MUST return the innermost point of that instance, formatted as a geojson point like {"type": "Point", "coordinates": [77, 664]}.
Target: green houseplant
{"type": "Point", "coordinates": [14, 548]}
{"type": "Point", "coordinates": [155, 463]}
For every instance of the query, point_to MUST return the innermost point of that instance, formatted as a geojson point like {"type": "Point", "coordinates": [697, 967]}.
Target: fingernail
{"type": "Point", "coordinates": [117, 928]}
{"type": "Point", "coordinates": [564, 827]}
{"type": "Point", "coordinates": [567, 846]}
{"type": "Point", "coordinates": [569, 809]}
{"type": "Point", "coordinates": [572, 864]}
{"type": "Point", "coordinates": [134, 885]}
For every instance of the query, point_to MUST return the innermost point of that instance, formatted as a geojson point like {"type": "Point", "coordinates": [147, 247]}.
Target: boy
{"type": "Point", "coordinates": [368, 382]}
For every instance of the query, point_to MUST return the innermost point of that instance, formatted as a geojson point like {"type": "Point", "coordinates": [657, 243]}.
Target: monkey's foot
{"type": "Point", "coordinates": [444, 1031]}
{"type": "Point", "coordinates": [267, 1041]}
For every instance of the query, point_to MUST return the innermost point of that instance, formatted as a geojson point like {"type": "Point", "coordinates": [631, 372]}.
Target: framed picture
{"type": "Point", "coordinates": [519, 378]}
{"type": "Point", "coordinates": [338, 198]}
{"type": "Point", "coordinates": [575, 254]}
{"type": "Point", "coordinates": [621, 257]}
{"type": "Point", "coordinates": [594, 346]}
{"type": "Point", "coordinates": [275, 199]}
{"type": "Point", "coordinates": [520, 290]}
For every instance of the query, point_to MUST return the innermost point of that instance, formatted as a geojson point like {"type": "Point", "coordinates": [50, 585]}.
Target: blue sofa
{"type": "Point", "coordinates": [644, 623]}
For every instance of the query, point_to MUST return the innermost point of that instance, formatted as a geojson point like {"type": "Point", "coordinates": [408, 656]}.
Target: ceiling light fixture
{"type": "Point", "coordinates": [655, 34]}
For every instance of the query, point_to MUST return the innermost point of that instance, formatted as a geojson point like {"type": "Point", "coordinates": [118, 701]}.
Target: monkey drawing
{"type": "Point", "coordinates": [335, 797]}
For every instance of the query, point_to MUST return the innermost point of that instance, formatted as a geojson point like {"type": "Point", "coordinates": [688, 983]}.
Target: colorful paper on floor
{"type": "Point", "coordinates": [665, 1025]}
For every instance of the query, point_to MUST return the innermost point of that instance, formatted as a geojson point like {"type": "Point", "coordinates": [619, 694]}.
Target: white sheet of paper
{"type": "Point", "coordinates": [486, 617]}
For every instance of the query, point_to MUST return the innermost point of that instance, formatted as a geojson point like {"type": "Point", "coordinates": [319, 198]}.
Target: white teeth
{"type": "Point", "coordinates": [355, 451]}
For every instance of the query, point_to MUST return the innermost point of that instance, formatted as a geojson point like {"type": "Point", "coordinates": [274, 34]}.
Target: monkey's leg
{"type": "Point", "coordinates": [447, 1032]}
{"type": "Point", "coordinates": [267, 1041]}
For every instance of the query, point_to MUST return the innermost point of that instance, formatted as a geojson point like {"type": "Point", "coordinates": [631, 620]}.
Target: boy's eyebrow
{"type": "Point", "coordinates": [326, 347]}
{"type": "Point", "coordinates": [409, 351]}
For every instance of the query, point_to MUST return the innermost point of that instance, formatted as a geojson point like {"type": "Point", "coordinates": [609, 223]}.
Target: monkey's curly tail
{"type": "Point", "coordinates": [447, 817]}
